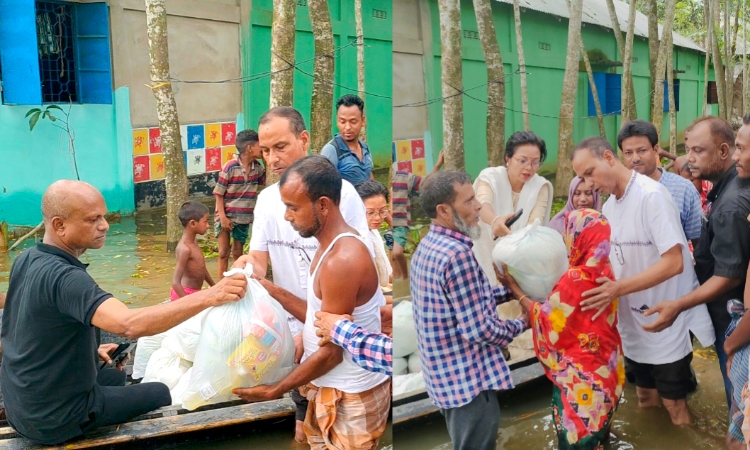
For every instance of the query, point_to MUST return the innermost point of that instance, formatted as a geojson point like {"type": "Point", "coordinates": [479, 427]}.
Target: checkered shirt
{"type": "Point", "coordinates": [458, 331]}
{"type": "Point", "coordinates": [688, 202]}
{"type": "Point", "coordinates": [370, 351]}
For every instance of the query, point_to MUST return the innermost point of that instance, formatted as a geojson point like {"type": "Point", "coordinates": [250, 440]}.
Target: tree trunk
{"type": "Point", "coordinates": [522, 67]}
{"type": "Point", "coordinates": [621, 48]}
{"type": "Point", "coordinates": [496, 83]}
{"type": "Point", "coordinates": [657, 108]}
{"type": "Point", "coordinates": [627, 67]}
{"type": "Point", "coordinates": [728, 67]}
{"type": "Point", "coordinates": [3, 236]}
{"type": "Point", "coordinates": [567, 104]}
{"type": "Point", "coordinates": [653, 46]}
{"type": "Point", "coordinates": [718, 62]}
{"type": "Point", "coordinates": [166, 109]}
{"type": "Point", "coordinates": [745, 65]}
{"type": "Point", "coordinates": [594, 92]}
{"type": "Point", "coordinates": [735, 30]}
{"type": "Point", "coordinates": [321, 108]}
{"type": "Point", "coordinates": [360, 59]}
{"type": "Point", "coordinates": [670, 93]}
{"type": "Point", "coordinates": [707, 45]}
{"type": "Point", "coordinates": [452, 84]}
{"type": "Point", "coordinates": [282, 53]}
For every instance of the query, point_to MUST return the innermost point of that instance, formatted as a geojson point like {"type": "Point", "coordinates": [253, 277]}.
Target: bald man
{"type": "Point", "coordinates": [50, 379]}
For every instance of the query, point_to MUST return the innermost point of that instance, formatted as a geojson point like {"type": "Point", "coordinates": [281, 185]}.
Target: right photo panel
{"type": "Point", "coordinates": [569, 211]}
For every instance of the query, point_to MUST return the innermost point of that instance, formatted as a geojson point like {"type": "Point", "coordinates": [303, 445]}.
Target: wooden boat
{"type": "Point", "coordinates": [167, 421]}
{"type": "Point", "coordinates": [416, 404]}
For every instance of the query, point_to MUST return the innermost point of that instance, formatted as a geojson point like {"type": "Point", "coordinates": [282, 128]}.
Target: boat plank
{"type": "Point", "coordinates": [424, 407]}
{"type": "Point", "coordinates": [168, 426]}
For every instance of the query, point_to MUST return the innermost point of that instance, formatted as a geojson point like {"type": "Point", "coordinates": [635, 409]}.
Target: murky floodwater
{"type": "Point", "coordinates": [135, 268]}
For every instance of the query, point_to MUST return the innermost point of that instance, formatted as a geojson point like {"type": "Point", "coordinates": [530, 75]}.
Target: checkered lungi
{"type": "Point", "coordinates": [339, 421]}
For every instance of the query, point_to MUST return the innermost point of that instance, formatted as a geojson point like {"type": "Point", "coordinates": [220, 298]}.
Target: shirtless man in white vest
{"type": "Point", "coordinates": [342, 280]}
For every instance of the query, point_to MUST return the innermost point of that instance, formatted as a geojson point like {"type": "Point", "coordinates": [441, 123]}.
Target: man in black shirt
{"type": "Point", "coordinates": [49, 376]}
{"type": "Point", "coordinates": [723, 251]}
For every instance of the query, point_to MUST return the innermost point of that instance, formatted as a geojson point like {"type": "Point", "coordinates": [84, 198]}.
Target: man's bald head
{"type": "Point", "coordinates": [64, 197]}
{"type": "Point", "coordinates": [74, 217]}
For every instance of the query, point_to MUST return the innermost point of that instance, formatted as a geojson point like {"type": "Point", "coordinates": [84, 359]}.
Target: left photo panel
{"type": "Point", "coordinates": [202, 259]}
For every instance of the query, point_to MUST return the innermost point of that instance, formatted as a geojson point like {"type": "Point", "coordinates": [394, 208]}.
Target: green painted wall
{"type": "Point", "coordinates": [256, 53]}
{"type": "Point", "coordinates": [546, 69]}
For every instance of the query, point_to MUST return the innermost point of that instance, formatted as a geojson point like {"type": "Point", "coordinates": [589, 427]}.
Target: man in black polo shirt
{"type": "Point", "coordinates": [723, 251]}
{"type": "Point", "coordinates": [50, 380]}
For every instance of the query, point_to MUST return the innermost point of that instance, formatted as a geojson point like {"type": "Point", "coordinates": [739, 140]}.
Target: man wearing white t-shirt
{"type": "Point", "coordinates": [651, 262]}
{"type": "Point", "coordinates": [283, 140]}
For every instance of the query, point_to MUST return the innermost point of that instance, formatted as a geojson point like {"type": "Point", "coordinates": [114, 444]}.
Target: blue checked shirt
{"type": "Point", "coordinates": [370, 351]}
{"type": "Point", "coordinates": [459, 333]}
{"type": "Point", "coordinates": [688, 202]}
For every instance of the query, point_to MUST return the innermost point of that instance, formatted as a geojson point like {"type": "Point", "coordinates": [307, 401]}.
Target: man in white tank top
{"type": "Point", "coordinates": [283, 140]}
{"type": "Point", "coordinates": [342, 280]}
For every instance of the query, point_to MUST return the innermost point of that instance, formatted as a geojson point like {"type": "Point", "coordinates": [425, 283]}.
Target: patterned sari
{"type": "Point", "coordinates": [582, 358]}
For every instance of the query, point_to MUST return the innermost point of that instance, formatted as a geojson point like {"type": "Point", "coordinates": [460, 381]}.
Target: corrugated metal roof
{"type": "Point", "coordinates": [596, 12]}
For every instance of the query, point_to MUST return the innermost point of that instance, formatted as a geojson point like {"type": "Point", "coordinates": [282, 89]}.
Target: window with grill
{"type": "Point", "coordinates": [57, 65]}
{"type": "Point", "coordinates": [54, 52]}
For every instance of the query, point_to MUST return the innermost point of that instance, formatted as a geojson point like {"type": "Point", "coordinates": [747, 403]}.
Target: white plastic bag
{"type": "Point", "coordinates": [404, 330]}
{"type": "Point", "coordinates": [536, 258]}
{"type": "Point", "coordinates": [242, 344]}
{"type": "Point", "coordinates": [399, 366]}
{"type": "Point", "coordinates": [414, 363]}
{"type": "Point", "coordinates": [166, 367]}
{"type": "Point", "coordinates": [178, 392]}
{"type": "Point", "coordinates": [183, 338]}
{"type": "Point", "coordinates": [145, 347]}
{"type": "Point", "coordinates": [408, 383]}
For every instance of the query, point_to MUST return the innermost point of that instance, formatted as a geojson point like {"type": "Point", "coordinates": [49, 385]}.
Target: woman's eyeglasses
{"type": "Point", "coordinates": [525, 162]}
{"type": "Point", "coordinates": [374, 213]}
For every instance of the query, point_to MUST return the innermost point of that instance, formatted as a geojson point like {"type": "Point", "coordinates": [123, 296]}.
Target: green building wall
{"type": "Point", "coordinates": [545, 71]}
{"type": "Point", "coordinates": [256, 54]}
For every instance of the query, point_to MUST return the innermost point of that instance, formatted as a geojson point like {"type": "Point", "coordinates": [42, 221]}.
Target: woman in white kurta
{"type": "Point", "coordinates": [505, 190]}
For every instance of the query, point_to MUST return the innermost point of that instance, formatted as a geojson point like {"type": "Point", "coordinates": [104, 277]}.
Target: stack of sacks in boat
{"type": "Point", "coordinates": [536, 257]}
{"type": "Point", "coordinates": [239, 344]}
{"type": "Point", "coordinates": [407, 367]}
{"type": "Point", "coordinates": [168, 357]}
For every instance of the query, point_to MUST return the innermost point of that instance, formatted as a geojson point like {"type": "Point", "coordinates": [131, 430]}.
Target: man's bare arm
{"type": "Point", "coordinates": [291, 303]}
{"type": "Point", "coordinates": [113, 316]}
{"type": "Point", "coordinates": [670, 309]}
{"type": "Point", "coordinates": [259, 259]}
{"type": "Point", "coordinates": [2, 300]}
{"type": "Point", "coordinates": [669, 265]}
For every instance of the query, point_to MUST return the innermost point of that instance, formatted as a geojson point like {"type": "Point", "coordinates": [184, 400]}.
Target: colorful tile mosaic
{"type": "Point", "coordinates": [206, 148]}
{"type": "Point", "coordinates": [409, 156]}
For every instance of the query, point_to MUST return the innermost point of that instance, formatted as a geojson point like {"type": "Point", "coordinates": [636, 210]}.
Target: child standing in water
{"type": "Point", "coordinates": [191, 271]}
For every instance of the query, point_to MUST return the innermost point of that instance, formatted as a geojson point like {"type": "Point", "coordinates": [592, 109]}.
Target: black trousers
{"type": "Point", "coordinates": [474, 426]}
{"type": "Point", "coordinates": [119, 403]}
{"type": "Point", "coordinates": [301, 403]}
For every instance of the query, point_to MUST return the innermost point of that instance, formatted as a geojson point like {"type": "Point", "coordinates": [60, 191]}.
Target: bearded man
{"type": "Point", "coordinates": [459, 334]}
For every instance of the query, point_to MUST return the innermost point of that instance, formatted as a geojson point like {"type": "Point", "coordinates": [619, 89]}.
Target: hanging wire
{"type": "Point", "coordinates": [295, 65]}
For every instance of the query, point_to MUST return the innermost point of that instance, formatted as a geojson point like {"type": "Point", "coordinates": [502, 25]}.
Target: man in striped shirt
{"type": "Point", "coordinates": [458, 331]}
{"type": "Point", "coordinates": [236, 192]}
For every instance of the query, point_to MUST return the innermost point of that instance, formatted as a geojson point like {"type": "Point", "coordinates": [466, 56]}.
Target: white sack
{"type": "Point", "coordinates": [165, 367]}
{"type": "Point", "coordinates": [404, 330]}
{"type": "Point", "coordinates": [408, 383]}
{"type": "Point", "coordinates": [178, 392]}
{"type": "Point", "coordinates": [399, 366]}
{"type": "Point", "coordinates": [415, 364]}
{"type": "Point", "coordinates": [183, 338]}
{"type": "Point", "coordinates": [536, 258]}
{"type": "Point", "coordinates": [145, 347]}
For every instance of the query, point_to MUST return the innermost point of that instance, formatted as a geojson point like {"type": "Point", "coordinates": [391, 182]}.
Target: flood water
{"type": "Point", "coordinates": [135, 268]}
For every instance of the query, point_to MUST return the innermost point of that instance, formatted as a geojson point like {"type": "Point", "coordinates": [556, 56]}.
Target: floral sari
{"type": "Point", "coordinates": [582, 358]}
